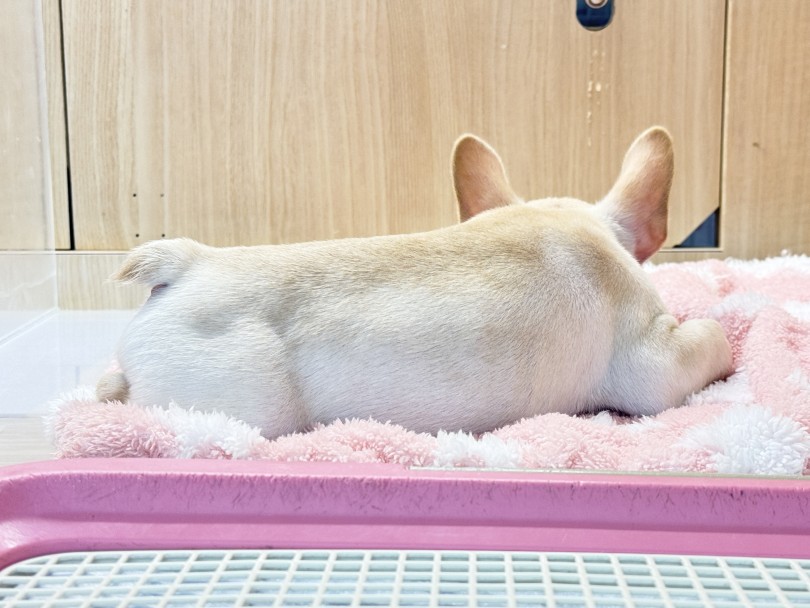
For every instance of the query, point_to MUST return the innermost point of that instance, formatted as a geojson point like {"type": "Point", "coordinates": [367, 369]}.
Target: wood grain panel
{"type": "Point", "coordinates": [83, 279]}
{"type": "Point", "coordinates": [24, 196]}
{"type": "Point", "coordinates": [251, 122]}
{"type": "Point", "coordinates": [51, 21]}
{"type": "Point", "coordinates": [766, 184]}
{"type": "Point", "coordinates": [690, 254]}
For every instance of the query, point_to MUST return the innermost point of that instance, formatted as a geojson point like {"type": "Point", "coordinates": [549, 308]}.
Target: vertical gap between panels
{"type": "Point", "coordinates": [71, 224]}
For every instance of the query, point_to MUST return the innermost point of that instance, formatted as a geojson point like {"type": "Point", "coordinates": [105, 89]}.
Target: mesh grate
{"type": "Point", "coordinates": [152, 579]}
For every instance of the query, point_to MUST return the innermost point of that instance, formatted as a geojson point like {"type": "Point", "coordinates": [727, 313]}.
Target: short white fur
{"type": "Point", "coordinates": [520, 309]}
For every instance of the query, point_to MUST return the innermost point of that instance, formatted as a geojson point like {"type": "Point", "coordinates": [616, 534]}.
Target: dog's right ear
{"type": "Point", "coordinates": [479, 178]}
{"type": "Point", "coordinates": [637, 203]}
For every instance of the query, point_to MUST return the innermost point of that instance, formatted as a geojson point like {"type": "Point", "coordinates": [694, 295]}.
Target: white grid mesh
{"type": "Point", "coordinates": [174, 579]}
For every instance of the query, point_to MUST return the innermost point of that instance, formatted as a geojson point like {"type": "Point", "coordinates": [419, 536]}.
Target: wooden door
{"type": "Point", "coordinates": [766, 176]}
{"type": "Point", "coordinates": [27, 277]}
{"type": "Point", "coordinates": [248, 121]}
{"type": "Point", "coordinates": [24, 180]}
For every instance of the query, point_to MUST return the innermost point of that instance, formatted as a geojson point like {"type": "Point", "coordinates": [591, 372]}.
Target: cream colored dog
{"type": "Point", "coordinates": [521, 309]}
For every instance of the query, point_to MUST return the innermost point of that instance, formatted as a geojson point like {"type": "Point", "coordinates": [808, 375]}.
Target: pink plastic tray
{"type": "Point", "coordinates": [92, 505]}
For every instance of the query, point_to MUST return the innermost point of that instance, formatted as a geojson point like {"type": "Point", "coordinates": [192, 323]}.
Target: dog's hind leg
{"type": "Point", "coordinates": [666, 364]}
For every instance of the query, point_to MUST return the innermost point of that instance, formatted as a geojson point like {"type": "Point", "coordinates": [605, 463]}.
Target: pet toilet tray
{"type": "Point", "coordinates": [103, 533]}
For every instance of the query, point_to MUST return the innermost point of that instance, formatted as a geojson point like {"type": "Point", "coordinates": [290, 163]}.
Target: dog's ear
{"type": "Point", "coordinates": [637, 203]}
{"type": "Point", "coordinates": [479, 178]}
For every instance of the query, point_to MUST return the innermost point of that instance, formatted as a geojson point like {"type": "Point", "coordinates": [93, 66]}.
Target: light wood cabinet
{"type": "Point", "coordinates": [265, 122]}
{"type": "Point", "coordinates": [766, 158]}
{"type": "Point", "coordinates": [24, 181]}
{"type": "Point", "coordinates": [27, 274]}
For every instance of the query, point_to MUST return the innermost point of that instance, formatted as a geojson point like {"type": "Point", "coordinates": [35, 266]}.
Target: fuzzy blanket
{"type": "Point", "coordinates": [757, 421]}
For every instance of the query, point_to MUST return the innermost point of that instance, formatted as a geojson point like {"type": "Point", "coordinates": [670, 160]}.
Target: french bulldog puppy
{"type": "Point", "coordinates": [523, 308]}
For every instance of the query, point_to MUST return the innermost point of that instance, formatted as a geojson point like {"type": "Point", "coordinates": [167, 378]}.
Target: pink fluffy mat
{"type": "Point", "coordinates": [758, 421]}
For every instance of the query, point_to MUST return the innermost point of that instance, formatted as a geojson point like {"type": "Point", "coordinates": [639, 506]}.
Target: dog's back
{"type": "Point", "coordinates": [523, 309]}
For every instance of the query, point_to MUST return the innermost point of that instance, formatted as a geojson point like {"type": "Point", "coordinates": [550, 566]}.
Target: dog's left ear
{"type": "Point", "coordinates": [479, 178]}
{"type": "Point", "coordinates": [637, 203]}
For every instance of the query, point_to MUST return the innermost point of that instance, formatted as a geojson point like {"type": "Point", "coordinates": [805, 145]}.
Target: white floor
{"type": "Point", "coordinates": [65, 350]}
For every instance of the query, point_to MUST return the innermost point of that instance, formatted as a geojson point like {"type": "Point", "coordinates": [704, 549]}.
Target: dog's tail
{"type": "Point", "coordinates": [113, 386]}
{"type": "Point", "coordinates": [159, 262]}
